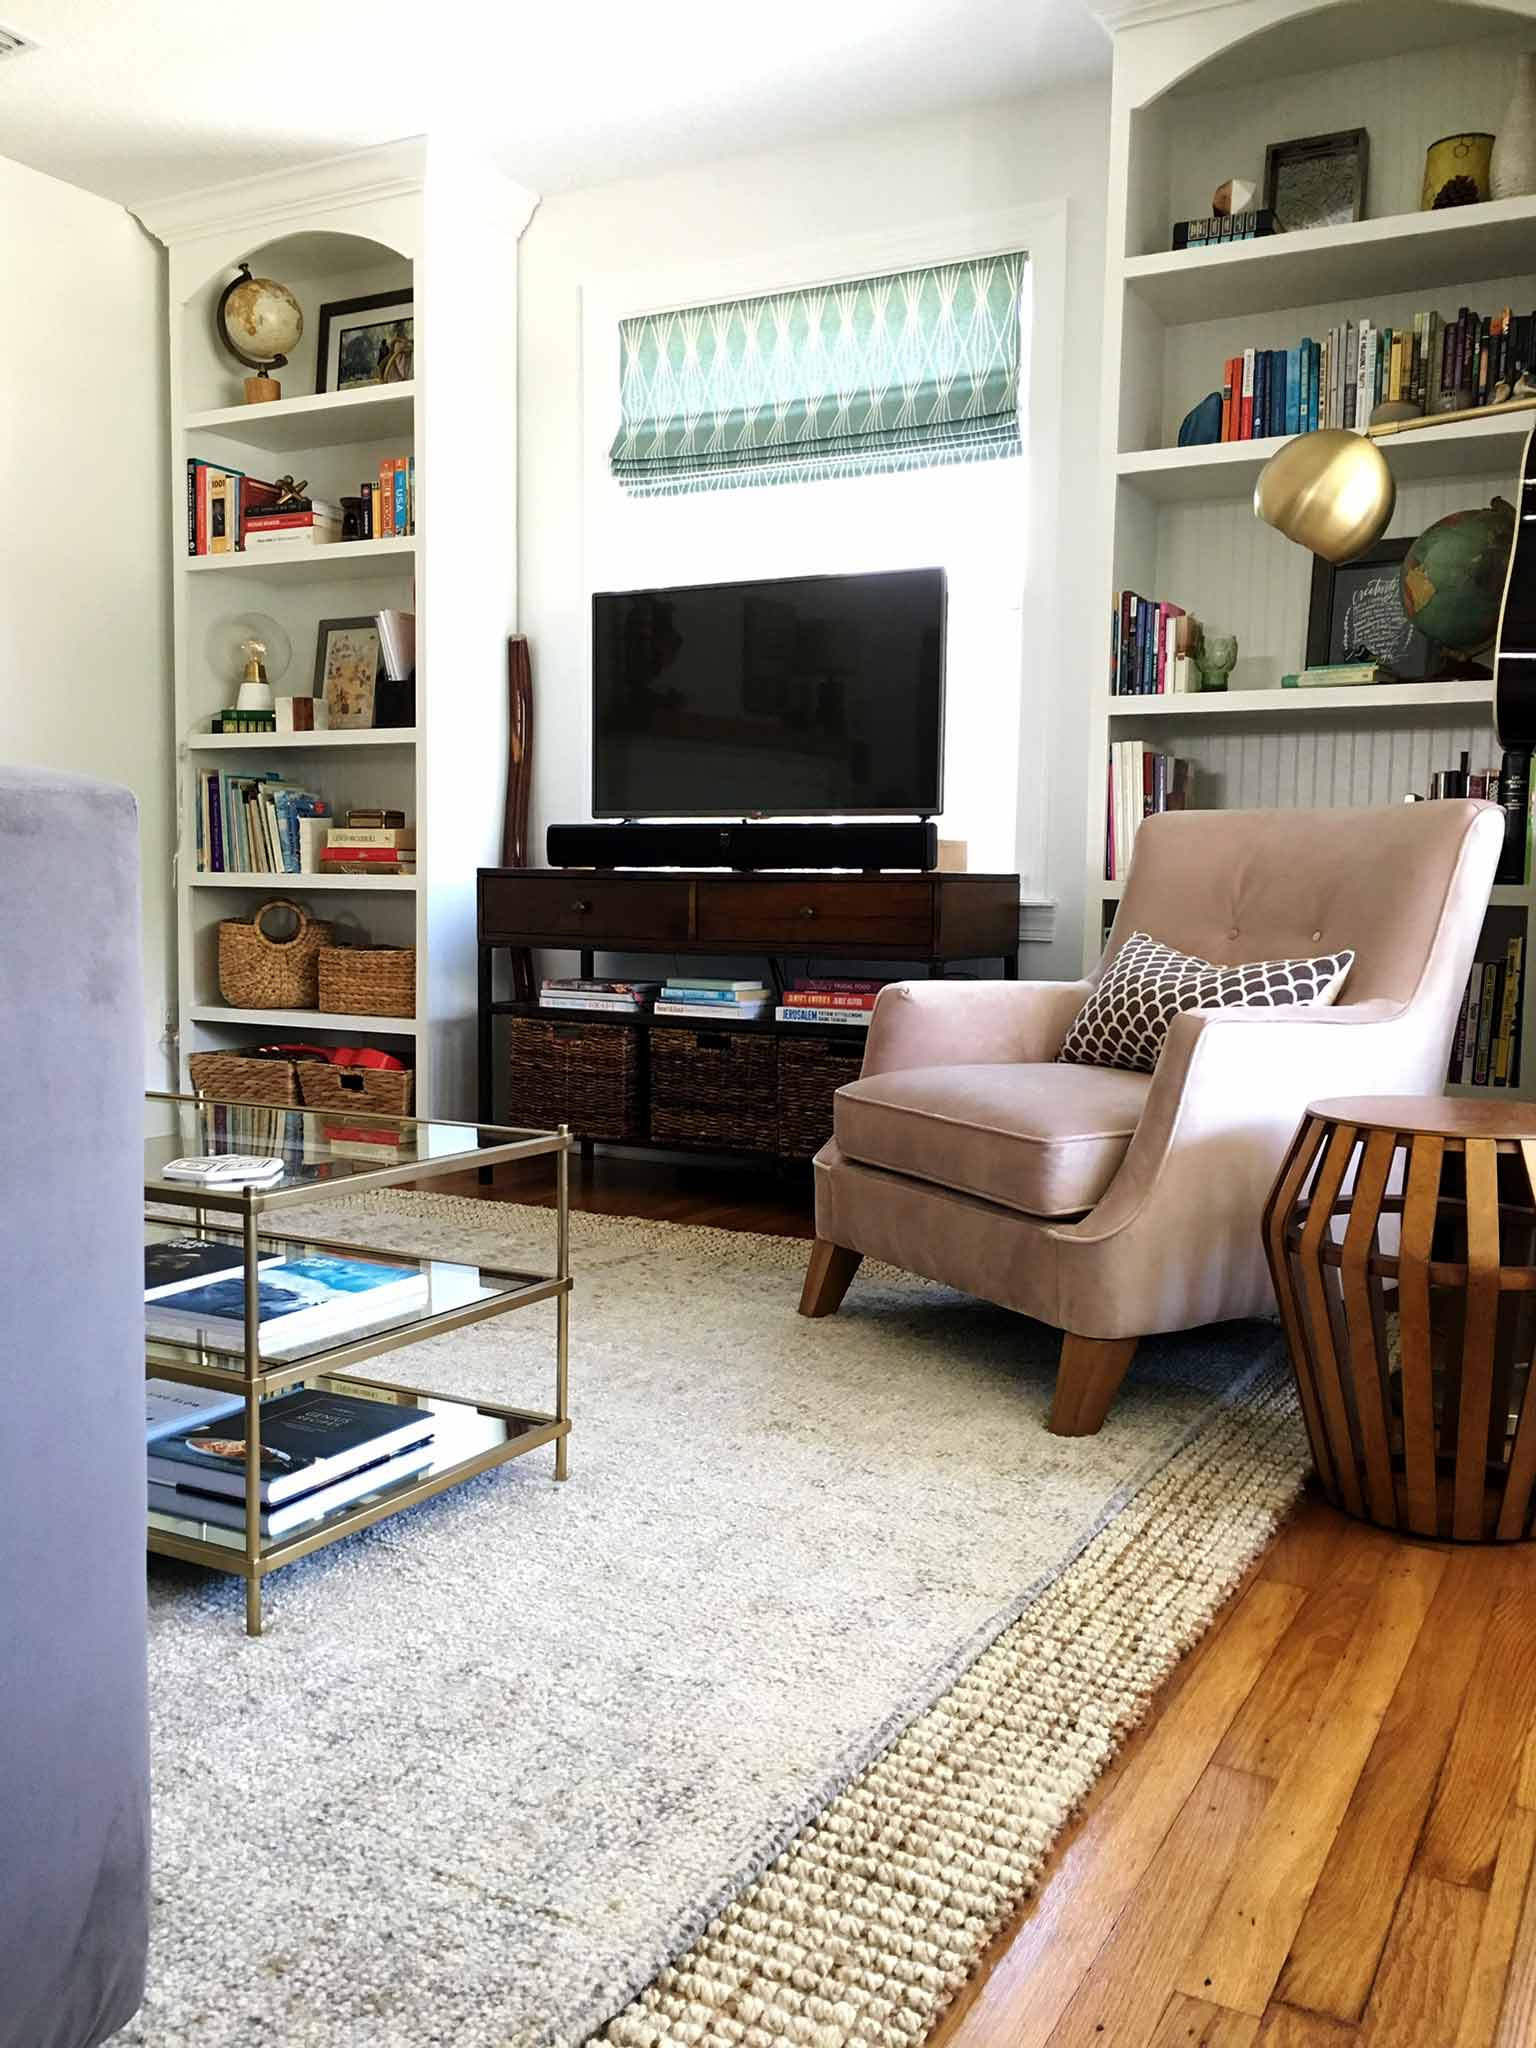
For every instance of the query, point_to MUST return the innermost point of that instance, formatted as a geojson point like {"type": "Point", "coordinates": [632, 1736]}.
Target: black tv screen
{"type": "Point", "coordinates": [800, 697]}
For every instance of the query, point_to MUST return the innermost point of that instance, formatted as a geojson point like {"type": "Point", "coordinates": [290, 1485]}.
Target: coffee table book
{"type": "Point", "coordinates": [469, 1435]}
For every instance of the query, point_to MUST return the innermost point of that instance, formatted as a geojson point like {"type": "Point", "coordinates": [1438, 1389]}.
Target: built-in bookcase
{"type": "Point", "coordinates": [390, 220]}
{"type": "Point", "coordinates": [1198, 93]}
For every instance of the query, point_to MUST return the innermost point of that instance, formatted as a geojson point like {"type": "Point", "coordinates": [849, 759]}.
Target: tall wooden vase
{"type": "Point", "coordinates": [1513, 171]}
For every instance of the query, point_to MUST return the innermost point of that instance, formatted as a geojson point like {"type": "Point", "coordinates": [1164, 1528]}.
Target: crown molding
{"type": "Point", "coordinates": [395, 170]}
{"type": "Point", "coordinates": [1124, 14]}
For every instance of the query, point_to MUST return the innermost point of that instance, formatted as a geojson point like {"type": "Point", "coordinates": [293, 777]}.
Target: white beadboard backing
{"type": "Point", "coordinates": [1326, 766]}
{"type": "Point", "coordinates": [1240, 576]}
{"type": "Point", "coordinates": [1404, 103]}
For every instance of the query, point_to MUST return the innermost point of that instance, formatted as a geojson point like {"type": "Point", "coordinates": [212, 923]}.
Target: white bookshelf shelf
{"type": "Point", "coordinates": [1463, 700]}
{"type": "Point", "coordinates": [301, 559]}
{"type": "Point", "coordinates": [366, 885]}
{"type": "Point", "coordinates": [299, 742]}
{"type": "Point", "coordinates": [381, 412]}
{"type": "Point", "coordinates": [1230, 469]}
{"type": "Point", "coordinates": [304, 1020]}
{"type": "Point", "coordinates": [1405, 252]}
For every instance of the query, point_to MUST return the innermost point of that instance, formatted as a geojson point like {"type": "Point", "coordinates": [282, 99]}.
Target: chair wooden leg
{"type": "Point", "coordinates": [832, 1267]}
{"type": "Point", "coordinates": [1087, 1380]}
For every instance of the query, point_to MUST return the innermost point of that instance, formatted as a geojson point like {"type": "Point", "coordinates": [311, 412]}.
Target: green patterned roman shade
{"type": "Point", "coordinates": [895, 372]}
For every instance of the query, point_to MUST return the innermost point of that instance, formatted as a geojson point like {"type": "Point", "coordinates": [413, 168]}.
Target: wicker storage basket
{"type": "Point", "coordinates": [244, 1077]}
{"type": "Point", "coordinates": [380, 1090]}
{"type": "Point", "coordinates": [811, 1070]}
{"type": "Point", "coordinates": [583, 1075]}
{"type": "Point", "coordinates": [260, 970]}
{"type": "Point", "coordinates": [718, 1089]}
{"type": "Point", "coordinates": [368, 981]}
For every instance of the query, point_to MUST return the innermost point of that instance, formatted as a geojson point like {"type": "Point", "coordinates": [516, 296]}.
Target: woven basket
{"type": "Point", "coordinates": [717, 1089]}
{"type": "Point", "coordinates": [368, 981]}
{"type": "Point", "coordinates": [811, 1070]}
{"type": "Point", "coordinates": [583, 1075]}
{"type": "Point", "coordinates": [258, 971]}
{"type": "Point", "coordinates": [381, 1091]}
{"type": "Point", "coordinates": [244, 1077]}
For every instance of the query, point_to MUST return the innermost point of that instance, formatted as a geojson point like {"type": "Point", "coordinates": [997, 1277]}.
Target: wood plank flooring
{"type": "Point", "coordinates": [1325, 1834]}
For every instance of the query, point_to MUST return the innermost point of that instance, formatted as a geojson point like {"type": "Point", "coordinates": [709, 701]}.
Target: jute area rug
{"type": "Point", "coordinates": [752, 1732]}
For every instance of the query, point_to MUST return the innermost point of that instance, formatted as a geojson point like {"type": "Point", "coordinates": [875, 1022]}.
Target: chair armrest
{"type": "Point", "coordinates": [1230, 1089]}
{"type": "Point", "coordinates": [970, 1023]}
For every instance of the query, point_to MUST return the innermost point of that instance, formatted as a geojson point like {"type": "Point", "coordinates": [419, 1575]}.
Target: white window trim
{"type": "Point", "coordinates": [1041, 232]}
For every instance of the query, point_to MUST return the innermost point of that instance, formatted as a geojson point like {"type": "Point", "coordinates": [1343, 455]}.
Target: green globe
{"type": "Point", "coordinates": [1453, 576]}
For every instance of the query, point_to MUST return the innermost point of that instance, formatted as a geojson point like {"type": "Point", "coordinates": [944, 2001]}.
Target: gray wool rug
{"type": "Point", "coordinates": [499, 1762]}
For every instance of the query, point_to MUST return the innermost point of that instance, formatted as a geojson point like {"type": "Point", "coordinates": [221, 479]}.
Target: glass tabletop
{"type": "Point", "coordinates": [319, 1149]}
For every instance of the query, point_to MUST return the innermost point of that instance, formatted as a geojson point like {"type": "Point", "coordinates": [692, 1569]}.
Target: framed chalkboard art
{"type": "Point", "coordinates": [1357, 614]}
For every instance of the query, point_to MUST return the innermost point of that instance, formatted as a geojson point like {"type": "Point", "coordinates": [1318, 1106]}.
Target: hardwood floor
{"type": "Point", "coordinates": [1325, 1834]}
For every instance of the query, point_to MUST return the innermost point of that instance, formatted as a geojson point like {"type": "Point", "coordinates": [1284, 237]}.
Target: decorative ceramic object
{"type": "Point", "coordinates": [1329, 491]}
{"type": "Point", "coordinates": [1215, 660]}
{"type": "Point", "coordinates": [1513, 170]}
{"type": "Point", "coordinates": [259, 321]}
{"type": "Point", "coordinates": [1234, 195]}
{"type": "Point", "coordinates": [1456, 171]}
{"type": "Point", "coordinates": [1391, 410]}
{"type": "Point", "coordinates": [1201, 425]}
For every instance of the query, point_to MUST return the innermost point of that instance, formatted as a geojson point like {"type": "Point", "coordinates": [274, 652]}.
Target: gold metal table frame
{"type": "Point", "coordinates": [250, 1213]}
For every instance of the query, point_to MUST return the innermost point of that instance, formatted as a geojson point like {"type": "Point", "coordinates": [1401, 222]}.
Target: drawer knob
{"type": "Point", "coordinates": [807, 910]}
{"type": "Point", "coordinates": [580, 905]}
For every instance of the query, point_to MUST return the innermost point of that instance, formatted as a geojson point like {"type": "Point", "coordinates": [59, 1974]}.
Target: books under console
{"type": "Point", "coordinates": [303, 1303]}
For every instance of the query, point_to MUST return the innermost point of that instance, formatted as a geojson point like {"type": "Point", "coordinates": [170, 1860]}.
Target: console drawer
{"type": "Point", "coordinates": [608, 910]}
{"type": "Point", "coordinates": [817, 914]}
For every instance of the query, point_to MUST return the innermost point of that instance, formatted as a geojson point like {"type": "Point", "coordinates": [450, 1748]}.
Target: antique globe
{"type": "Point", "coordinates": [259, 320]}
{"type": "Point", "coordinates": [1453, 577]}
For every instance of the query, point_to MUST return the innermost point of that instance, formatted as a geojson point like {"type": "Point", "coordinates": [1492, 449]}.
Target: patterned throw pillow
{"type": "Point", "coordinates": [1146, 985]}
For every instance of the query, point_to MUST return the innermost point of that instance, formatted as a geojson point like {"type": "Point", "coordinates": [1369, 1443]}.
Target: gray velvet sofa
{"type": "Point", "coordinates": [74, 1769]}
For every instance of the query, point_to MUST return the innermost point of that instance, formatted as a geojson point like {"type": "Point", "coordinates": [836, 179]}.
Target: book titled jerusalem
{"type": "Point", "coordinates": [308, 1439]}
{"type": "Point", "coordinates": [300, 1302]}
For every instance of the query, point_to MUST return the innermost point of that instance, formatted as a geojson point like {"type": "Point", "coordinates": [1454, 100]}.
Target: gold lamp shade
{"type": "Point", "coordinates": [1329, 491]}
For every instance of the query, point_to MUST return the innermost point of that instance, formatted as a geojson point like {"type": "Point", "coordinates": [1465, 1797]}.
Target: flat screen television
{"type": "Point", "coordinates": [806, 696]}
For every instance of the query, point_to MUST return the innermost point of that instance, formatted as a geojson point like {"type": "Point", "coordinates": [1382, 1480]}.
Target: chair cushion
{"type": "Point", "coordinates": [1146, 985]}
{"type": "Point", "coordinates": [1037, 1138]}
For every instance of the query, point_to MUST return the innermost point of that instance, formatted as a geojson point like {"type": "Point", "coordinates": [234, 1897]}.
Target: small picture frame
{"type": "Point", "coordinates": [369, 340]}
{"type": "Point", "coordinates": [347, 661]}
{"type": "Point", "coordinates": [1317, 181]}
{"type": "Point", "coordinates": [1358, 606]}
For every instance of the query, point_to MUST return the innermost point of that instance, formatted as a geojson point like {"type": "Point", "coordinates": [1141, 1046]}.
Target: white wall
{"type": "Point", "coordinates": [84, 682]}
{"type": "Point", "coordinates": [867, 183]}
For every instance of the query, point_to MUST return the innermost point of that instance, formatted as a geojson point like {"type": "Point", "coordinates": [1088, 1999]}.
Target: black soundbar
{"type": "Point", "coordinates": [908, 843]}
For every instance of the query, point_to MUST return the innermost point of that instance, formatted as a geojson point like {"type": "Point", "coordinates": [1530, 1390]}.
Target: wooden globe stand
{"type": "Point", "coordinates": [1401, 1235]}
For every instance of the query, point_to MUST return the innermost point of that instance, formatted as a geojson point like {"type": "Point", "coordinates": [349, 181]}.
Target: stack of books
{"type": "Point", "coordinates": [1141, 784]}
{"type": "Point", "coordinates": [315, 521]}
{"type": "Point", "coordinates": [1210, 228]}
{"type": "Point", "coordinates": [1337, 675]}
{"type": "Point", "coordinates": [254, 824]}
{"type": "Point", "coordinates": [709, 1002]}
{"type": "Point", "coordinates": [304, 1303]}
{"type": "Point", "coordinates": [621, 998]}
{"type": "Point", "coordinates": [1152, 647]}
{"type": "Point", "coordinates": [319, 1451]}
{"type": "Point", "coordinates": [389, 500]}
{"type": "Point", "coordinates": [1486, 1047]}
{"type": "Point", "coordinates": [819, 999]}
{"type": "Point", "coordinates": [368, 850]}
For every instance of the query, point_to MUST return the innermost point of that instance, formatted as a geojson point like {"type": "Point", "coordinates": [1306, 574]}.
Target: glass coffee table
{"type": "Point", "coordinates": [326, 1157]}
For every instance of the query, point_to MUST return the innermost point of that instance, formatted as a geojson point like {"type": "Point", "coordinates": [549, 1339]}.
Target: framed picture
{"type": "Point", "coordinates": [1318, 181]}
{"type": "Point", "coordinates": [1357, 613]}
{"type": "Point", "coordinates": [370, 340]}
{"type": "Point", "coordinates": [347, 655]}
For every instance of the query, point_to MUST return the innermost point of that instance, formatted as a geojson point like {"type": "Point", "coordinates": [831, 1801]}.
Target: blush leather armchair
{"type": "Point", "coordinates": [1112, 1205]}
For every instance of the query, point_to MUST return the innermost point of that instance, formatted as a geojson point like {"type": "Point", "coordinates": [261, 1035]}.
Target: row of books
{"type": "Point", "coordinates": [262, 825]}
{"type": "Point", "coordinates": [389, 502]}
{"type": "Point", "coordinates": [1142, 783]}
{"type": "Point", "coordinates": [1152, 647]}
{"type": "Point", "coordinates": [220, 504]}
{"type": "Point", "coordinates": [699, 999]}
{"type": "Point", "coordinates": [1211, 228]}
{"type": "Point", "coordinates": [319, 1450]}
{"type": "Point", "coordinates": [1486, 1047]}
{"type": "Point", "coordinates": [1436, 364]}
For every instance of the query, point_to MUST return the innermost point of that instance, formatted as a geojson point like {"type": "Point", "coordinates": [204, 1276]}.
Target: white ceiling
{"type": "Point", "coordinates": [137, 99]}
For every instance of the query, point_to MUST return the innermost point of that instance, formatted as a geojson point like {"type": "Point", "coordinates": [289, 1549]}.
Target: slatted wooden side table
{"type": "Point", "coordinates": [1401, 1235]}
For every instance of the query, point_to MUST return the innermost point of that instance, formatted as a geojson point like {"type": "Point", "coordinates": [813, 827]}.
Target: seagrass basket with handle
{"type": "Point", "coordinates": [264, 967]}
